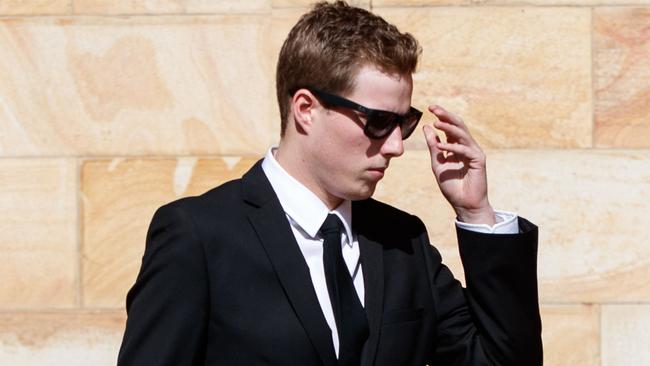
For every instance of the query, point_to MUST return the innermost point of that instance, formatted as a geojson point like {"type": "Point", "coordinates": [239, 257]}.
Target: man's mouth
{"type": "Point", "coordinates": [377, 171]}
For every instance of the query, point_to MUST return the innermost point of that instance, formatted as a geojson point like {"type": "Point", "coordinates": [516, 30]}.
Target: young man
{"type": "Point", "coordinates": [295, 264]}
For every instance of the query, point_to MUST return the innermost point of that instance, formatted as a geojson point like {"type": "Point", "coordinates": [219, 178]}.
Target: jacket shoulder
{"type": "Point", "coordinates": [224, 194]}
{"type": "Point", "coordinates": [211, 207]}
{"type": "Point", "coordinates": [385, 219]}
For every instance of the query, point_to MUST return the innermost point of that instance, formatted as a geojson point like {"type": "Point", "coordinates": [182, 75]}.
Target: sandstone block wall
{"type": "Point", "coordinates": [109, 109]}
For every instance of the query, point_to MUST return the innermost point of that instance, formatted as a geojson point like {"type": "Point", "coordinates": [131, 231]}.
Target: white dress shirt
{"type": "Point", "coordinates": [306, 213]}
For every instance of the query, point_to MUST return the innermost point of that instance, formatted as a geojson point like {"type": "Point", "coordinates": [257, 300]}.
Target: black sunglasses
{"type": "Point", "coordinates": [379, 124]}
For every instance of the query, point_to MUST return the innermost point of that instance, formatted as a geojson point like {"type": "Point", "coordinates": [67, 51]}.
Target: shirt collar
{"type": "Point", "coordinates": [301, 204]}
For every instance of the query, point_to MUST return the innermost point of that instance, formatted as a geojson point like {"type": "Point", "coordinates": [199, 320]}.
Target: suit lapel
{"type": "Point", "coordinates": [274, 232]}
{"type": "Point", "coordinates": [373, 280]}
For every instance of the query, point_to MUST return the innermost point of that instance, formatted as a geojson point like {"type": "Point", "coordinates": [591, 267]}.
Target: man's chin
{"type": "Point", "coordinates": [362, 194]}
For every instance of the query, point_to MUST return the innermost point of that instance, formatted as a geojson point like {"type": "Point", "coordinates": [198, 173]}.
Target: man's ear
{"type": "Point", "coordinates": [303, 106]}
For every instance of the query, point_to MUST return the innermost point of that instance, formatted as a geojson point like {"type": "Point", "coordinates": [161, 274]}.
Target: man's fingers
{"type": "Point", "coordinates": [473, 156]}
{"type": "Point", "coordinates": [437, 156]}
{"type": "Point", "coordinates": [445, 116]}
{"type": "Point", "coordinates": [457, 149]}
{"type": "Point", "coordinates": [453, 132]}
{"type": "Point", "coordinates": [430, 136]}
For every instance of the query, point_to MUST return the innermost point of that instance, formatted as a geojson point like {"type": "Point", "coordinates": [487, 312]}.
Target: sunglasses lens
{"type": "Point", "coordinates": [382, 124]}
{"type": "Point", "coordinates": [409, 125]}
{"type": "Point", "coordinates": [379, 125]}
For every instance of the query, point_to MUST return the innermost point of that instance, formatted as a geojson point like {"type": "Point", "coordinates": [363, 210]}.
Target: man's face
{"type": "Point", "coordinates": [346, 163]}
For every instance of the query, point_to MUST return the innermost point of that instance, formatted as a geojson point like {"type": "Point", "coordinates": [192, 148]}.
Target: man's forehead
{"type": "Point", "coordinates": [382, 90]}
{"type": "Point", "coordinates": [378, 70]}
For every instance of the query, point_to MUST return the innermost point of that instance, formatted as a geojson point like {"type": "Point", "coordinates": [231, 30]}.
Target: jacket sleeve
{"type": "Point", "coordinates": [167, 307]}
{"type": "Point", "coordinates": [495, 320]}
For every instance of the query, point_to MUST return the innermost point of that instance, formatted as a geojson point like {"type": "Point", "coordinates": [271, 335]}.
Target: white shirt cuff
{"type": "Point", "coordinates": [507, 223]}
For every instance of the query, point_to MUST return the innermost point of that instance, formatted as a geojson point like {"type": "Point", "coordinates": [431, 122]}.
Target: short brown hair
{"type": "Point", "coordinates": [329, 44]}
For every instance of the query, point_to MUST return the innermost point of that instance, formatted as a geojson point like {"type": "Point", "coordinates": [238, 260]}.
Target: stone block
{"type": "Point", "coordinates": [571, 335]}
{"type": "Point", "coordinates": [34, 7]}
{"type": "Point", "coordinates": [478, 3]}
{"type": "Point", "coordinates": [119, 199]}
{"type": "Point", "coordinates": [625, 334]}
{"type": "Point", "coordinates": [622, 85]}
{"type": "Point", "coordinates": [520, 75]}
{"type": "Point", "coordinates": [422, 3]}
{"type": "Point", "coordinates": [38, 244]}
{"type": "Point", "coordinates": [308, 3]}
{"type": "Point", "coordinates": [107, 86]}
{"type": "Point", "coordinates": [170, 6]}
{"type": "Point", "coordinates": [61, 339]}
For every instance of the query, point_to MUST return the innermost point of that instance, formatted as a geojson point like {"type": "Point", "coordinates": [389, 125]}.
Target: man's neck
{"type": "Point", "coordinates": [292, 161]}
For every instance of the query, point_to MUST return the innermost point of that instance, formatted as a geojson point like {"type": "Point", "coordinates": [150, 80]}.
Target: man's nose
{"type": "Point", "coordinates": [393, 145]}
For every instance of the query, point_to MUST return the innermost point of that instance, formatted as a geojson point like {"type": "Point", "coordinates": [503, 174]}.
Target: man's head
{"type": "Point", "coordinates": [340, 67]}
{"type": "Point", "coordinates": [330, 44]}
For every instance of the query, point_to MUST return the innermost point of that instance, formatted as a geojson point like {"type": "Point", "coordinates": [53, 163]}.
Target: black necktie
{"type": "Point", "coordinates": [350, 316]}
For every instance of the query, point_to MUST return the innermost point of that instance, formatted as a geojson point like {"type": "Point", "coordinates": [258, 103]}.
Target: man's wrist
{"type": "Point", "coordinates": [507, 223]}
{"type": "Point", "coordinates": [483, 216]}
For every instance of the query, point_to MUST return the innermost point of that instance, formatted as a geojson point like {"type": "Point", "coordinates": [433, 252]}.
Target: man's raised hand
{"type": "Point", "coordinates": [459, 167]}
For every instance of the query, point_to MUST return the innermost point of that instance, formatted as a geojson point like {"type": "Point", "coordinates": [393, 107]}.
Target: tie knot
{"type": "Point", "coordinates": [332, 224]}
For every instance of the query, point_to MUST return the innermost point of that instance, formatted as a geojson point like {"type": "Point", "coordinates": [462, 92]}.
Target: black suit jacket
{"type": "Point", "coordinates": [223, 282]}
